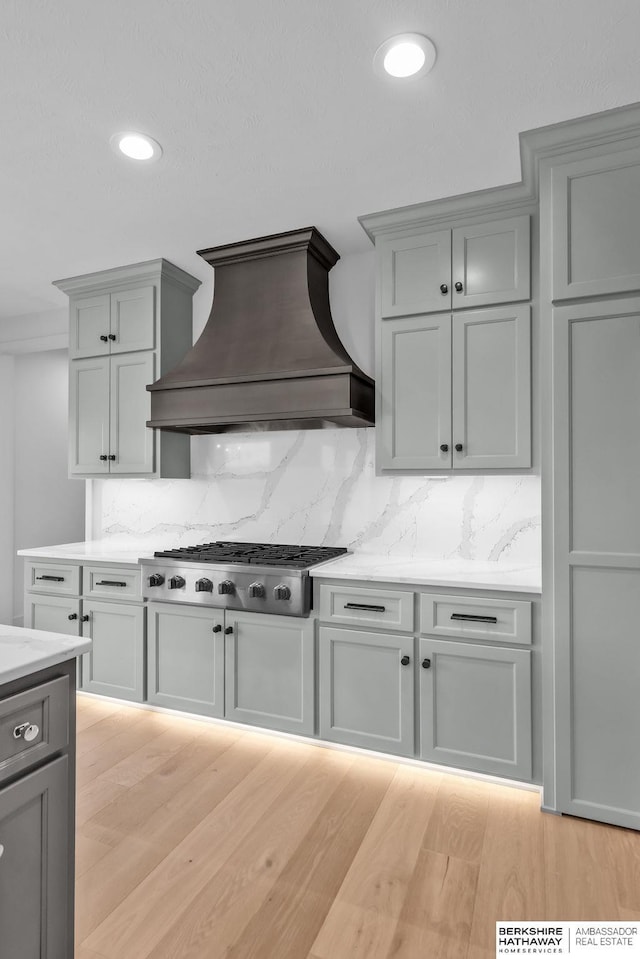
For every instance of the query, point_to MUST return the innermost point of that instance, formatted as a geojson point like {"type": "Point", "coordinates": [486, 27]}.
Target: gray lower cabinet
{"type": "Point", "coordinates": [475, 707]}
{"type": "Point", "coordinates": [367, 689]}
{"type": "Point", "coordinates": [115, 664]}
{"type": "Point", "coordinates": [269, 670]}
{"type": "Point", "coordinates": [185, 658]}
{"type": "Point", "coordinates": [34, 894]}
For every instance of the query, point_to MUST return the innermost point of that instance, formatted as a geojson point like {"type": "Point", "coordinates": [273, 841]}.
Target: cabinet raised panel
{"type": "Point", "coordinates": [185, 659]}
{"type": "Point", "coordinates": [415, 393]}
{"type": "Point", "coordinates": [475, 707]}
{"type": "Point", "coordinates": [492, 388]}
{"type": "Point", "coordinates": [131, 442]}
{"type": "Point", "coordinates": [413, 269]}
{"type": "Point", "coordinates": [89, 321]}
{"type": "Point", "coordinates": [269, 669]}
{"type": "Point", "coordinates": [132, 319]}
{"type": "Point", "coordinates": [366, 689]}
{"type": "Point", "coordinates": [115, 664]}
{"type": "Point", "coordinates": [34, 836]}
{"type": "Point", "coordinates": [491, 263]}
{"type": "Point", "coordinates": [89, 416]}
{"type": "Point", "coordinates": [596, 225]}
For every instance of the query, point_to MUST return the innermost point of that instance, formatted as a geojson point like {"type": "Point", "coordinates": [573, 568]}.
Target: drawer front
{"type": "Point", "coordinates": [33, 725]}
{"type": "Point", "coordinates": [468, 617]}
{"type": "Point", "coordinates": [110, 581]}
{"type": "Point", "coordinates": [53, 578]}
{"type": "Point", "coordinates": [357, 606]}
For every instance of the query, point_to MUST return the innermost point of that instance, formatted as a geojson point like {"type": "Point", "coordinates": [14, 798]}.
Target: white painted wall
{"type": "Point", "coordinates": [6, 487]}
{"type": "Point", "coordinates": [48, 508]}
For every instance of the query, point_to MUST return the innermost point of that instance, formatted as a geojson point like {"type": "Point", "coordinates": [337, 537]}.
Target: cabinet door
{"type": "Point", "coordinates": [131, 441]}
{"type": "Point", "coordinates": [596, 225]}
{"type": "Point", "coordinates": [413, 269]}
{"type": "Point", "coordinates": [132, 319]}
{"type": "Point", "coordinates": [269, 669]}
{"type": "Point", "coordinates": [415, 387]}
{"type": "Point", "coordinates": [492, 388]}
{"type": "Point", "coordinates": [475, 707]}
{"type": "Point", "coordinates": [366, 690]}
{"type": "Point", "coordinates": [596, 591]}
{"type": "Point", "coordinates": [115, 664]}
{"type": "Point", "coordinates": [491, 263]}
{"type": "Point", "coordinates": [89, 416]}
{"type": "Point", "coordinates": [185, 658]}
{"type": "Point", "coordinates": [89, 321]}
{"type": "Point", "coordinates": [35, 897]}
{"type": "Point", "coordinates": [55, 614]}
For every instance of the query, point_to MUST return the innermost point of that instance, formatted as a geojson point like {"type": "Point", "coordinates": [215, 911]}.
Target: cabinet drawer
{"type": "Point", "coordinates": [104, 581]}
{"type": "Point", "coordinates": [468, 617]}
{"type": "Point", "coordinates": [357, 606]}
{"type": "Point", "coordinates": [52, 578]}
{"type": "Point", "coordinates": [33, 725]}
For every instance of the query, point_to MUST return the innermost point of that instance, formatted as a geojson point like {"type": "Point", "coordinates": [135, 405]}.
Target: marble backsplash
{"type": "Point", "coordinates": [319, 487]}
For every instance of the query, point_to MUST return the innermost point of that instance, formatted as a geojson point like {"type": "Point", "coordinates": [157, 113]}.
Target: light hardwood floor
{"type": "Point", "coordinates": [197, 841]}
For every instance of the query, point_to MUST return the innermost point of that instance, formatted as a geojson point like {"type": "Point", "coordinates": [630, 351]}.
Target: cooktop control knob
{"type": "Point", "coordinates": [156, 579]}
{"type": "Point", "coordinates": [204, 585]}
{"type": "Point", "coordinates": [176, 582]}
{"type": "Point", "coordinates": [257, 591]}
{"type": "Point", "coordinates": [226, 588]}
{"type": "Point", "coordinates": [281, 592]}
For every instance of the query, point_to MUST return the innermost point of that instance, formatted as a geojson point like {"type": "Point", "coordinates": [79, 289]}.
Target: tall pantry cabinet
{"type": "Point", "coordinates": [590, 293]}
{"type": "Point", "coordinates": [127, 326]}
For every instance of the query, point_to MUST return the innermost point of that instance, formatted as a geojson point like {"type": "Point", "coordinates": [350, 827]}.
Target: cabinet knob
{"type": "Point", "coordinates": [228, 630]}
{"type": "Point", "coordinates": [458, 287]}
{"type": "Point", "coordinates": [26, 731]}
{"type": "Point", "coordinates": [444, 288]}
{"type": "Point", "coordinates": [458, 447]}
{"type": "Point", "coordinates": [405, 660]}
{"type": "Point", "coordinates": [444, 447]}
{"type": "Point", "coordinates": [217, 628]}
{"type": "Point", "coordinates": [104, 457]}
{"type": "Point", "coordinates": [104, 338]}
{"type": "Point", "coordinates": [426, 664]}
{"type": "Point", "coordinates": [72, 616]}
{"type": "Point", "coordinates": [112, 456]}
{"type": "Point", "coordinates": [85, 619]}
{"type": "Point", "coordinates": [112, 336]}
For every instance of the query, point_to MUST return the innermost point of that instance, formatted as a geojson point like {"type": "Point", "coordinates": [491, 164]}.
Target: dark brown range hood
{"type": "Point", "coordinates": [269, 356]}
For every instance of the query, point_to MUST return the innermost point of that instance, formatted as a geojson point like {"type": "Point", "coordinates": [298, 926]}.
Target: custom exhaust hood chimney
{"type": "Point", "coordinates": [269, 356]}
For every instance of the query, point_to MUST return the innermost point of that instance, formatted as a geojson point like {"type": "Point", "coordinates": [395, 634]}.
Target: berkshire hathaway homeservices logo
{"type": "Point", "coordinates": [581, 940]}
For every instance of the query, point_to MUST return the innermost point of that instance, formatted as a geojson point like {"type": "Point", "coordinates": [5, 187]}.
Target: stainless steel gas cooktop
{"type": "Point", "coordinates": [259, 577]}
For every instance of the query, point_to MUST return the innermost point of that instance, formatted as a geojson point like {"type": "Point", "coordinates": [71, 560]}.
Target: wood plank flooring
{"type": "Point", "coordinates": [197, 841]}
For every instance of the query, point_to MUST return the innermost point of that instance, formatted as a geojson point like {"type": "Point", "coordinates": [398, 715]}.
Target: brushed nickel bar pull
{"type": "Point", "coordinates": [375, 609]}
{"type": "Point", "coordinates": [468, 618]}
{"type": "Point", "coordinates": [110, 582]}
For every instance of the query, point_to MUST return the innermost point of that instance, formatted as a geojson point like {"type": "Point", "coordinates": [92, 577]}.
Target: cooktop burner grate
{"type": "Point", "coordinates": [260, 554]}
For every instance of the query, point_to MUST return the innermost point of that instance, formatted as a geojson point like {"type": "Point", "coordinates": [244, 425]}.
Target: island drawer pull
{"type": "Point", "coordinates": [374, 609]}
{"type": "Point", "coordinates": [52, 579]}
{"type": "Point", "coordinates": [110, 582]}
{"type": "Point", "coordinates": [469, 618]}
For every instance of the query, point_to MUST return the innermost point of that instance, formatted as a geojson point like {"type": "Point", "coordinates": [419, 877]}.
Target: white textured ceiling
{"type": "Point", "coordinates": [271, 118]}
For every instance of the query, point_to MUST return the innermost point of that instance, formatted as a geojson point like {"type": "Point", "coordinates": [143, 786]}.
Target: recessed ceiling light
{"type": "Point", "coordinates": [407, 55]}
{"type": "Point", "coordinates": [137, 146]}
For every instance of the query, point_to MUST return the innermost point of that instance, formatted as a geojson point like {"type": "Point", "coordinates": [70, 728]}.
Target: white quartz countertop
{"type": "Point", "coordinates": [95, 551]}
{"type": "Point", "coordinates": [420, 571]}
{"type": "Point", "coordinates": [465, 574]}
{"type": "Point", "coordinates": [25, 651]}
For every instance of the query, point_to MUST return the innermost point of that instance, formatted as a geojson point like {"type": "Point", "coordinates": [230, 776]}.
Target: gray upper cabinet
{"type": "Point", "coordinates": [596, 225]}
{"type": "Point", "coordinates": [455, 391]}
{"type": "Point", "coordinates": [492, 388]}
{"type": "Point", "coordinates": [480, 264]}
{"type": "Point", "coordinates": [128, 326]}
{"type": "Point", "coordinates": [415, 393]}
